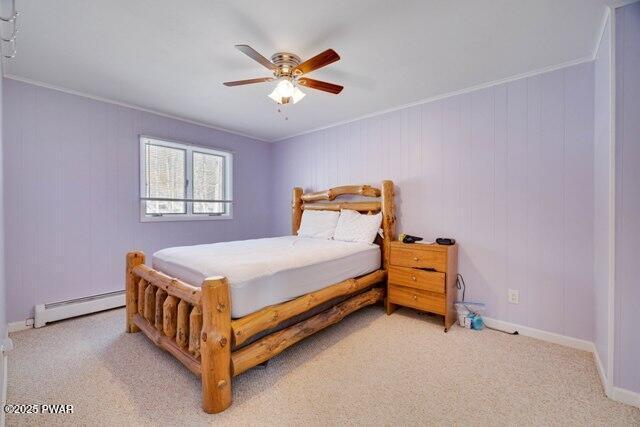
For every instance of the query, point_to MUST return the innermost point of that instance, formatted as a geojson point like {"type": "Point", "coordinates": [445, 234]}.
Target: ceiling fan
{"type": "Point", "coordinates": [288, 69]}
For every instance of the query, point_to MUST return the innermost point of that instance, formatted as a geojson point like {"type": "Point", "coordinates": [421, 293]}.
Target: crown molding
{"type": "Point", "coordinates": [600, 34]}
{"type": "Point", "coordinates": [603, 26]}
{"type": "Point", "coordinates": [131, 106]}
{"type": "Point", "coordinates": [622, 3]}
{"type": "Point", "coordinates": [446, 95]}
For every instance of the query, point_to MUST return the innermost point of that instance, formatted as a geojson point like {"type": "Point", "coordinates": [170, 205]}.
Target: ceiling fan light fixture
{"type": "Point", "coordinates": [286, 92]}
{"type": "Point", "coordinates": [287, 69]}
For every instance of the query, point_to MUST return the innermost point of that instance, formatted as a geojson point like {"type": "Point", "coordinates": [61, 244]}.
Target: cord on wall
{"type": "Point", "coordinates": [461, 285]}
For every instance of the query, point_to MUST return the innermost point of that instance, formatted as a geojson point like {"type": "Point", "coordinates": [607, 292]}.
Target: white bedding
{"type": "Point", "coordinates": [263, 272]}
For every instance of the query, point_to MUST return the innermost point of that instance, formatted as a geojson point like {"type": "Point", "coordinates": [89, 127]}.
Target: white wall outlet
{"type": "Point", "coordinates": [514, 296]}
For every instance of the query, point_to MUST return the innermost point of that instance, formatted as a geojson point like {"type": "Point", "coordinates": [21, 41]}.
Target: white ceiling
{"type": "Point", "coordinates": [172, 57]}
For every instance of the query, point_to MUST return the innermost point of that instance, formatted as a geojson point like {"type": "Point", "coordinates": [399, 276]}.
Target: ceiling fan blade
{"type": "Point", "coordinates": [321, 60]}
{"type": "Point", "coordinates": [317, 84]}
{"type": "Point", "coordinates": [253, 54]}
{"type": "Point", "coordinates": [248, 82]}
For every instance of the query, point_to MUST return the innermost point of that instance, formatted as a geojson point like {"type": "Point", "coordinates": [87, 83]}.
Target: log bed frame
{"type": "Point", "coordinates": [194, 324]}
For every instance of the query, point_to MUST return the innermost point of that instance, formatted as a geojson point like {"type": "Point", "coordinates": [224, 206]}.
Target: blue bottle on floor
{"type": "Point", "coordinates": [476, 322]}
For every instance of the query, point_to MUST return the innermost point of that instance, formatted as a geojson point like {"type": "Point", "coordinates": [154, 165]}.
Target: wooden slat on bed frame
{"type": "Point", "coordinates": [179, 289]}
{"type": "Point", "coordinates": [272, 345]}
{"type": "Point", "coordinates": [332, 193]}
{"type": "Point", "coordinates": [337, 206]}
{"type": "Point", "coordinates": [249, 326]}
{"type": "Point", "coordinates": [168, 344]}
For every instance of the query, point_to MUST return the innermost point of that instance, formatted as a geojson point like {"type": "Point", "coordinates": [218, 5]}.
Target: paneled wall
{"type": "Point", "coordinates": [71, 194]}
{"type": "Point", "coordinates": [3, 291]}
{"type": "Point", "coordinates": [602, 194]}
{"type": "Point", "coordinates": [507, 171]}
{"type": "Point", "coordinates": [627, 282]}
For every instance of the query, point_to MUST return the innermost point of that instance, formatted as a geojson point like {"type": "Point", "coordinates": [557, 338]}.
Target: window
{"type": "Point", "coordinates": [183, 182]}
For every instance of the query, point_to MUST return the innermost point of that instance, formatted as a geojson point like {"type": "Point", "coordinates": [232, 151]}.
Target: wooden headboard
{"type": "Point", "coordinates": [384, 202]}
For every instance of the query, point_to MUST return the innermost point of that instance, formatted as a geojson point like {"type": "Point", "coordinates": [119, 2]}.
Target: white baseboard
{"type": "Point", "coordinates": [614, 393]}
{"type": "Point", "coordinates": [625, 396]}
{"type": "Point", "coordinates": [540, 334]}
{"type": "Point", "coordinates": [20, 325]}
{"type": "Point", "coordinates": [602, 372]}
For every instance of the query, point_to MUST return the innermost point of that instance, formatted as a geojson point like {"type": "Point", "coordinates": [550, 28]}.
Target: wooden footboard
{"type": "Point", "coordinates": [195, 326]}
{"type": "Point", "coordinates": [194, 323]}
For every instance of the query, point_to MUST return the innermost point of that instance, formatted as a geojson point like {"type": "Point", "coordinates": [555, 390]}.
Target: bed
{"type": "Point", "coordinates": [264, 272]}
{"type": "Point", "coordinates": [223, 308]}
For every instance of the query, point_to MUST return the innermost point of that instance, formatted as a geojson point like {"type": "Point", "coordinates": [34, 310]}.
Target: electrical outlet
{"type": "Point", "coordinates": [514, 296]}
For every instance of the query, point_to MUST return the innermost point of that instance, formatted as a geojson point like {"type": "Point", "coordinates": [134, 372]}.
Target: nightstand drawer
{"type": "Point", "coordinates": [422, 300]}
{"type": "Point", "coordinates": [406, 257]}
{"type": "Point", "coordinates": [426, 280]}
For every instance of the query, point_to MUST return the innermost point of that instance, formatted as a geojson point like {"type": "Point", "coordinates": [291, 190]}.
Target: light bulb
{"type": "Point", "coordinates": [285, 88]}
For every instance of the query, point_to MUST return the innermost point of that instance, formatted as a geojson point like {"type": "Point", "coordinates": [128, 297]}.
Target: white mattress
{"type": "Point", "coordinates": [263, 272]}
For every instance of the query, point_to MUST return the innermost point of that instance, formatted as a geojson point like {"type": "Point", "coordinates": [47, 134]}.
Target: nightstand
{"type": "Point", "coordinates": [423, 277]}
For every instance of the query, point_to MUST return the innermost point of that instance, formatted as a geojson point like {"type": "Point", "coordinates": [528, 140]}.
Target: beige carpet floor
{"type": "Point", "coordinates": [368, 370]}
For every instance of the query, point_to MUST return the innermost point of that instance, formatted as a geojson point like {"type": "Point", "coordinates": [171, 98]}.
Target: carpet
{"type": "Point", "coordinates": [371, 369]}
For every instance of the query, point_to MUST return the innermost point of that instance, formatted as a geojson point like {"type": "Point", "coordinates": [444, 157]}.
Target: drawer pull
{"type": "Point", "coordinates": [415, 258]}
{"type": "Point", "coordinates": [413, 278]}
{"type": "Point", "coordinates": [415, 297]}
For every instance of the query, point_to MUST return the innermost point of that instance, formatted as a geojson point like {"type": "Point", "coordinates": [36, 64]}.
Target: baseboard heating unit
{"type": "Point", "coordinates": [46, 313]}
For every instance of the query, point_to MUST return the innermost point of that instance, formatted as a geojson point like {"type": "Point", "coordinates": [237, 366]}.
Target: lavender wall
{"type": "Point", "coordinates": [71, 194]}
{"type": "Point", "coordinates": [507, 171]}
{"type": "Point", "coordinates": [627, 283]}
{"type": "Point", "coordinates": [602, 191]}
{"type": "Point", "coordinates": [3, 288]}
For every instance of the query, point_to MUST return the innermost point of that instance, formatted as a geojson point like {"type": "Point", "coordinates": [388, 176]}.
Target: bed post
{"type": "Point", "coordinates": [133, 259]}
{"type": "Point", "coordinates": [388, 221]}
{"type": "Point", "coordinates": [296, 207]}
{"type": "Point", "coordinates": [215, 345]}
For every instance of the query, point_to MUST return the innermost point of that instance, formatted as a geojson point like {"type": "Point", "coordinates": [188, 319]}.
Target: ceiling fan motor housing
{"type": "Point", "coordinates": [286, 63]}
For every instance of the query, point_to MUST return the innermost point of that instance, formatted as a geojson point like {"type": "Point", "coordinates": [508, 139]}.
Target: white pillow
{"type": "Point", "coordinates": [318, 224]}
{"type": "Point", "coordinates": [356, 227]}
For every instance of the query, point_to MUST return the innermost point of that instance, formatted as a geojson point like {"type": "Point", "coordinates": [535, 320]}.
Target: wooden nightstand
{"type": "Point", "coordinates": [423, 277]}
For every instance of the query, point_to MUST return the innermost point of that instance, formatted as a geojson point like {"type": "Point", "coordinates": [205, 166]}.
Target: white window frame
{"type": "Point", "coordinates": [189, 150]}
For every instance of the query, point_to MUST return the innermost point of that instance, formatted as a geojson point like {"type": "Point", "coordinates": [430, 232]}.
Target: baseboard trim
{"type": "Point", "coordinates": [625, 396]}
{"type": "Point", "coordinates": [602, 372]}
{"type": "Point", "coordinates": [20, 325]}
{"type": "Point", "coordinates": [540, 334]}
{"type": "Point", "coordinates": [614, 393]}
